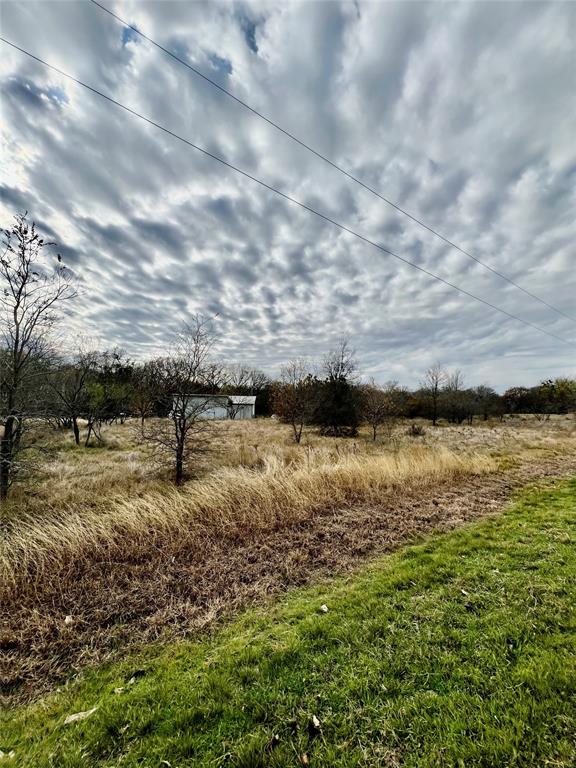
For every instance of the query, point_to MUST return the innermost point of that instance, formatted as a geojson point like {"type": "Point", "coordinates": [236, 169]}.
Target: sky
{"type": "Point", "coordinates": [462, 113]}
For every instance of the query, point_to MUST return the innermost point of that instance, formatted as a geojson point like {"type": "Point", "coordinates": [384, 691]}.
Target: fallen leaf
{"type": "Point", "coordinates": [79, 715]}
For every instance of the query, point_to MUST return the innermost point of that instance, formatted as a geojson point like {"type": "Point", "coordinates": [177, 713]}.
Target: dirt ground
{"type": "Point", "coordinates": [120, 606]}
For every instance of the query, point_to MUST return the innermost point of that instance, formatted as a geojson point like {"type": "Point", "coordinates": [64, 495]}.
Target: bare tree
{"type": "Point", "coordinates": [70, 383]}
{"type": "Point", "coordinates": [238, 378]}
{"type": "Point", "coordinates": [432, 383]}
{"type": "Point", "coordinates": [293, 397]}
{"type": "Point", "coordinates": [33, 286]}
{"type": "Point", "coordinates": [95, 410]}
{"type": "Point", "coordinates": [380, 407]}
{"type": "Point", "coordinates": [243, 380]}
{"type": "Point", "coordinates": [340, 363]}
{"type": "Point", "coordinates": [258, 381]}
{"type": "Point", "coordinates": [146, 389]}
{"type": "Point", "coordinates": [457, 403]}
{"type": "Point", "coordinates": [455, 381]}
{"type": "Point", "coordinates": [235, 405]}
{"type": "Point", "coordinates": [215, 376]}
{"type": "Point", "coordinates": [184, 434]}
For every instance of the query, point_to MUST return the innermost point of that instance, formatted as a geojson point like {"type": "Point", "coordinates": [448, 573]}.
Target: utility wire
{"type": "Point", "coordinates": [283, 194]}
{"type": "Point", "coordinates": [346, 173]}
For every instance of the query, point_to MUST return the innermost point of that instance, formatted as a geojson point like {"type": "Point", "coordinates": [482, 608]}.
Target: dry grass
{"type": "Point", "coordinates": [232, 501]}
{"type": "Point", "coordinates": [108, 501]}
{"type": "Point", "coordinates": [472, 634]}
{"type": "Point", "coordinates": [73, 477]}
{"type": "Point", "coordinates": [102, 538]}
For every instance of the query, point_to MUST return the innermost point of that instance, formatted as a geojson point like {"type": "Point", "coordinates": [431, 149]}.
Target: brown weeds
{"type": "Point", "coordinates": [131, 559]}
{"type": "Point", "coordinates": [231, 502]}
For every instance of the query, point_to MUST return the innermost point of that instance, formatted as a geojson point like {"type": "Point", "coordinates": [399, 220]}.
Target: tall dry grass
{"type": "Point", "coordinates": [231, 502]}
{"type": "Point", "coordinates": [70, 478]}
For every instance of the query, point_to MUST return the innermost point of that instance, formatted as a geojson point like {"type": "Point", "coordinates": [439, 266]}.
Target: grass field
{"type": "Point", "coordinates": [99, 536]}
{"type": "Point", "coordinates": [460, 651]}
{"type": "Point", "coordinates": [72, 477]}
{"type": "Point", "coordinates": [237, 500]}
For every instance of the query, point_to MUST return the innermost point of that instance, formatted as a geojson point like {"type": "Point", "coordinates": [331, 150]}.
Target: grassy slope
{"type": "Point", "coordinates": [457, 652]}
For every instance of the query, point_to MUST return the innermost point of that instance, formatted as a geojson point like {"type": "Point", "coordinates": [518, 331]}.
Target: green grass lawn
{"type": "Point", "coordinates": [460, 651]}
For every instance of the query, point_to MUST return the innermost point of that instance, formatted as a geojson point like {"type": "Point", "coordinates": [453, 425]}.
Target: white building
{"type": "Point", "coordinates": [242, 406]}
{"type": "Point", "coordinates": [221, 406]}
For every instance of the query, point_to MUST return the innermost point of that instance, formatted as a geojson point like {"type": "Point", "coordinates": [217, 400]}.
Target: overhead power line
{"type": "Point", "coordinates": [278, 192]}
{"type": "Point", "coordinates": [327, 160]}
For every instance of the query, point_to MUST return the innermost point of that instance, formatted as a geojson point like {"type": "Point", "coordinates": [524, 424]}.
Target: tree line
{"type": "Point", "coordinates": [337, 403]}
{"type": "Point", "coordinates": [89, 387]}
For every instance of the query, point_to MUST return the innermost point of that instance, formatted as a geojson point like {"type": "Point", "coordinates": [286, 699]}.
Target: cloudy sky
{"type": "Point", "coordinates": [462, 113]}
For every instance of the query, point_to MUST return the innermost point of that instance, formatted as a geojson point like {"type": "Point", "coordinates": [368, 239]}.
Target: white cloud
{"type": "Point", "coordinates": [460, 112]}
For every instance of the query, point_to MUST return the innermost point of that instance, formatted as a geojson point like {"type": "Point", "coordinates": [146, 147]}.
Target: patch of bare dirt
{"type": "Point", "coordinates": [116, 606]}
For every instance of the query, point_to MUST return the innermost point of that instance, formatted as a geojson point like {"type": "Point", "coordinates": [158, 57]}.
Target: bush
{"type": "Point", "coordinates": [337, 409]}
{"type": "Point", "coordinates": [416, 430]}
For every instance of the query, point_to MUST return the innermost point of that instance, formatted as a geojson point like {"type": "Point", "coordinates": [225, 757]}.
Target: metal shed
{"type": "Point", "coordinates": [221, 407]}
{"type": "Point", "coordinates": [242, 406]}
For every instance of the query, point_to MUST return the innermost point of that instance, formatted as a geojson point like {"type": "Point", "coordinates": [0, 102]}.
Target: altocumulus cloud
{"type": "Point", "coordinates": [460, 112]}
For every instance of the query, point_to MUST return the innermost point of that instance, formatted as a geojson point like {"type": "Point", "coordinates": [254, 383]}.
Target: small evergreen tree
{"type": "Point", "coordinates": [337, 411]}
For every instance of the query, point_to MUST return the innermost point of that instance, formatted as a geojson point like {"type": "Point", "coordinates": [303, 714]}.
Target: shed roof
{"type": "Point", "coordinates": [204, 396]}
{"type": "Point", "coordinates": [235, 399]}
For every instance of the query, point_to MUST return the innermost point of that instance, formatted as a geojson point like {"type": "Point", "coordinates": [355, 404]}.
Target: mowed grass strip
{"type": "Point", "coordinates": [460, 651]}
